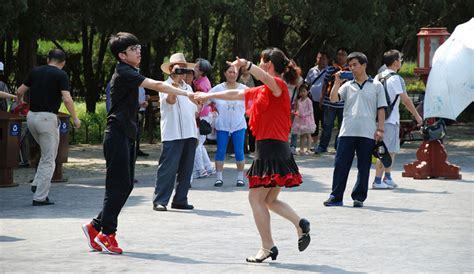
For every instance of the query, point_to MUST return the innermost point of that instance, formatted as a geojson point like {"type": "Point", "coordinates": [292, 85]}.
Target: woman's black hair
{"type": "Point", "coordinates": [224, 69]}
{"type": "Point", "coordinates": [120, 42]}
{"type": "Point", "coordinates": [281, 64]}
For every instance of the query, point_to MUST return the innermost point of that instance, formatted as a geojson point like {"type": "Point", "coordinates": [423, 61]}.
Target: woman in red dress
{"type": "Point", "coordinates": [268, 108]}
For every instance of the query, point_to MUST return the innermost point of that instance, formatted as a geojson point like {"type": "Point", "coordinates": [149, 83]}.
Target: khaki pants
{"type": "Point", "coordinates": [44, 126]}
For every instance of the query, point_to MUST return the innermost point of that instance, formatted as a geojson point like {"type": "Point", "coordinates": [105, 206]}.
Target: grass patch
{"type": "Point", "coordinates": [92, 124]}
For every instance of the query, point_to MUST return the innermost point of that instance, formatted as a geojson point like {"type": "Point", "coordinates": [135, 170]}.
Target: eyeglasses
{"type": "Point", "coordinates": [134, 48]}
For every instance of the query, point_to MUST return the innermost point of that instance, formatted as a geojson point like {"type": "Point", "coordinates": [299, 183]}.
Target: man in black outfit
{"type": "Point", "coordinates": [48, 84]}
{"type": "Point", "coordinates": [119, 139]}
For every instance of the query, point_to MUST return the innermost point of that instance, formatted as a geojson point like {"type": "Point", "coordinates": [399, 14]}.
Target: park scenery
{"type": "Point", "coordinates": [236, 136]}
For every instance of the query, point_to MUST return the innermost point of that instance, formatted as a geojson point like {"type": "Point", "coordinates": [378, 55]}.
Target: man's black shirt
{"type": "Point", "coordinates": [124, 99]}
{"type": "Point", "coordinates": [46, 83]}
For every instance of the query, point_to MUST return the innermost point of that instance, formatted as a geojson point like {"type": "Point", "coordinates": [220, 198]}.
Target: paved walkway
{"type": "Point", "coordinates": [423, 226]}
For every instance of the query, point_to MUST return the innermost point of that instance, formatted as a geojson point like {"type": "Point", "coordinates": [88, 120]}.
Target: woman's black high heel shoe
{"type": "Point", "coordinates": [273, 253]}
{"type": "Point", "coordinates": [305, 239]}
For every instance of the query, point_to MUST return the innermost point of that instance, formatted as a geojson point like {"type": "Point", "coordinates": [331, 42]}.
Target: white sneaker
{"type": "Point", "coordinates": [390, 182]}
{"type": "Point", "coordinates": [211, 171]}
{"type": "Point", "coordinates": [381, 185]}
{"type": "Point", "coordinates": [200, 174]}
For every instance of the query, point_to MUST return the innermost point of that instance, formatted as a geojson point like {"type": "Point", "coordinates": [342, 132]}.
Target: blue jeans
{"type": "Point", "coordinates": [329, 116]}
{"type": "Point", "coordinates": [344, 156]}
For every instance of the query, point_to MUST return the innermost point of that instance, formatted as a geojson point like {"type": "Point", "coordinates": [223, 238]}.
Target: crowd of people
{"type": "Point", "coordinates": [259, 108]}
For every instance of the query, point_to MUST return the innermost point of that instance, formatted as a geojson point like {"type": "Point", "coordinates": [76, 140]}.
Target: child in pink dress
{"type": "Point", "coordinates": [303, 124]}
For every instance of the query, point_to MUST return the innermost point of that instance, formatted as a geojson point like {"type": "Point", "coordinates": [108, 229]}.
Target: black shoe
{"type": "Point", "coordinates": [273, 253]}
{"type": "Point", "coordinates": [332, 202]}
{"type": "Point", "coordinates": [240, 183]}
{"type": "Point", "coordinates": [358, 203]}
{"type": "Point", "coordinates": [141, 153]}
{"type": "Point", "coordinates": [33, 189]}
{"type": "Point", "coordinates": [184, 207]}
{"type": "Point", "coordinates": [305, 239]}
{"type": "Point", "coordinates": [43, 203]}
{"type": "Point", "coordinates": [159, 208]}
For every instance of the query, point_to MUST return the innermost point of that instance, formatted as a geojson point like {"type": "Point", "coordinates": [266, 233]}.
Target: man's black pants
{"type": "Point", "coordinates": [119, 153]}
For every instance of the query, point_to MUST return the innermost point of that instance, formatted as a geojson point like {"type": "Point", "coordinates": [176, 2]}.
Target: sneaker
{"type": "Point", "coordinates": [108, 243]}
{"type": "Point", "coordinates": [211, 171]}
{"type": "Point", "coordinates": [390, 182]}
{"type": "Point", "coordinates": [358, 203]}
{"type": "Point", "coordinates": [332, 202]}
{"type": "Point", "coordinates": [91, 233]}
{"type": "Point", "coordinates": [200, 174]}
{"type": "Point", "coordinates": [381, 185]}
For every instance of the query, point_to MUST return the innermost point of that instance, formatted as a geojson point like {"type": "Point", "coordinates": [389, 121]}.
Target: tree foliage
{"type": "Point", "coordinates": [217, 30]}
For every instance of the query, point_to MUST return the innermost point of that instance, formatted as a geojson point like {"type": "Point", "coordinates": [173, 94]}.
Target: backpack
{"type": "Point", "coordinates": [390, 105]}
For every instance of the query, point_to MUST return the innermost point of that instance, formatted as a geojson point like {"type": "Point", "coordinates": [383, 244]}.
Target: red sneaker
{"type": "Point", "coordinates": [91, 233]}
{"type": "Point", "coordinates": [108, 243]}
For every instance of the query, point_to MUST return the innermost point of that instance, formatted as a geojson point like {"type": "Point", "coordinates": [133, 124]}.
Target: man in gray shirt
{"type": "Point", "coordinates": [364, 101]}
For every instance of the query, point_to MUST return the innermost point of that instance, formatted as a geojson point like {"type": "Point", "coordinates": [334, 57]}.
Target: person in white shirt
{"type": "Point", "coordinates": [179, 138]}
{"type": "Point", "coordinates": [395, 86]}
{"type": "Point", "coordinates": [143, 103]}
{"type": "Point", "coordinates": [230, 123]}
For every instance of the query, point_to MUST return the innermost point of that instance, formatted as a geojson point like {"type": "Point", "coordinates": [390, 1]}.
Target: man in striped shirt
{"type": "Point", "coordinates": [331, 110]}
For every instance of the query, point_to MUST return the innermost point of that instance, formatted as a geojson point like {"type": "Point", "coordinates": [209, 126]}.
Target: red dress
{"type": "Point", "coordinates": [269, 120]}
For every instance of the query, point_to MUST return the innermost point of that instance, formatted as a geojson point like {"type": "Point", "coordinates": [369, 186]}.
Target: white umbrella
{"type": "Point", "coordinates": [450, 86]}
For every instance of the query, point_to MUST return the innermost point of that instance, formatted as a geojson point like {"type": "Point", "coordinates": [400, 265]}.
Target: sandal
{"type": "Point", "coordinates": [219, 183]}
{"type": "Point", "coordinates": [264, 254]}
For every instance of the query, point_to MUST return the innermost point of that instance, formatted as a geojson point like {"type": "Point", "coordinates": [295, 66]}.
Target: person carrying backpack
{"type": "Point", "coordinates": [395, 91]}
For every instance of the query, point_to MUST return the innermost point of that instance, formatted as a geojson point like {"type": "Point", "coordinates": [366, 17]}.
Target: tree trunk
{"type": "Point", "coordinates": [195, 43]}
{"type": "Point", "coordinates": [9, 55]}
{"type": "Point", "coordinates": [145, 61]}
{"type": "Point", "coordinates": [89, 79]}
{"type": "Point", "coordinates": [276, 32]}
{"type": "Point", "coordinates": [204, 37]}
{"type": "Point", "coordinates": [2, 48]}
{"type": "Point", "coordinates": [215, 37]}
{"type": "Point", "coordinates": [243, 44]}
{"type": "Point", "coordinates": [26, 58]}
{"type": "Point", "coordinates": [100, 75]}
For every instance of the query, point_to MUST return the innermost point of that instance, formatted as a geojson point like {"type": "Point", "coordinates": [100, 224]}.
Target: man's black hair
{"type": "Point", "coordinates": [343, 49]}
{"type": "Point", "coordinates": [322, 52]}
{"type": "Point", "coordinates": [120, 42]}
{"type": "Point", "coordinates": [56, 55]}
{"type": "Point", "coordinates": [359, 56]}
{"type": "Point", "coordinates": [389, 57]}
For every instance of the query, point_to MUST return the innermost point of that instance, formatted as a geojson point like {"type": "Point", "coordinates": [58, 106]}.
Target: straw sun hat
{"type": "Point", "coordinates": [177, 58]}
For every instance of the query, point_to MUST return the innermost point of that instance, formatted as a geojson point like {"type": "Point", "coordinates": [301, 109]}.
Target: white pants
{"type": "Point", "coordinates": [201, 159]}
{"type": "Point", "coordinates": [44, 126]}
